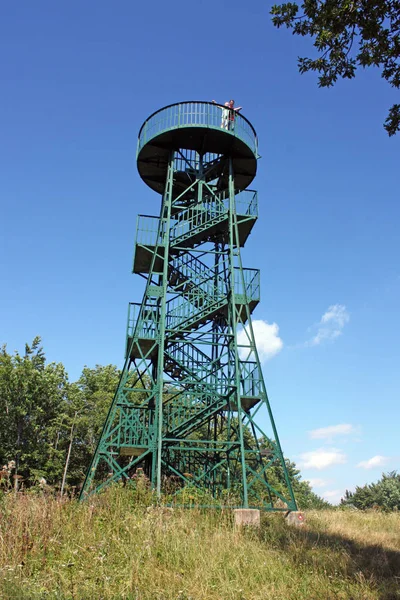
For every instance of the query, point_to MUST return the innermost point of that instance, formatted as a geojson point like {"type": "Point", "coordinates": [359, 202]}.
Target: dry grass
{"type": "Point", "coordinates": [111, 548]}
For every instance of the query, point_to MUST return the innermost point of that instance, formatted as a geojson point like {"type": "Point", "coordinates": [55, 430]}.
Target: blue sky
{"type": "Point", "coordinates": [78, 79]}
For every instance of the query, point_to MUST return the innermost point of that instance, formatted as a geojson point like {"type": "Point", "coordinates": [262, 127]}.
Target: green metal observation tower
{"type": "Point", "coordinates": [191, 399]}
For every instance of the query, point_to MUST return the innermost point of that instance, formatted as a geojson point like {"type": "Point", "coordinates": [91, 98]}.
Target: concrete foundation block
{"type": "Point", "coordinates": [247, 516]}
{"type": "Point", "coordinates": [296, 518]}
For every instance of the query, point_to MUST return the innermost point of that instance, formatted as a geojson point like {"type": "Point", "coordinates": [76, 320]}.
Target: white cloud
{"type": "Point", "coordinates": [318, 483]}
{"type": "Point", "coordinates": [375, 461]}
{"type": "Point", "coordinates": [332, 431]}
{"type": "Point", "coordinates": [322, 458]}
{"type": "Point", "coordinates": [267, 340]}
{"type": "Point", "coordinates": [331, 324]}
{"type": "Point", "coordinates": [333, 496]}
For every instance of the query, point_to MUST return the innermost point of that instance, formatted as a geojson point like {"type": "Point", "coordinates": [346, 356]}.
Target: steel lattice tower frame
{"type": "Point", "coordinates": [191, 392]}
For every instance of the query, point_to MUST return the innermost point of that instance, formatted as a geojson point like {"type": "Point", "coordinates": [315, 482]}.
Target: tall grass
{"type": "Point", "coordinates": [113, 547]}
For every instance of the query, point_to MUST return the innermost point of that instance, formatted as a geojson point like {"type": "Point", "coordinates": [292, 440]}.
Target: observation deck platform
{"type": "Point", "coordinates": [197, 126]}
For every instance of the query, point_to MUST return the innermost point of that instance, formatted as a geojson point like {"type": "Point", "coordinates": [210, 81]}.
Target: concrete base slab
{"type": "Point", "coordinates": [295, 517]}
{"type": "Point", "coordinates": [247, 516]}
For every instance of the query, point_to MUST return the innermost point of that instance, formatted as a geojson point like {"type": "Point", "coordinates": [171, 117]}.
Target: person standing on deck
{"type": "Point", "coordinates": [229, 111]}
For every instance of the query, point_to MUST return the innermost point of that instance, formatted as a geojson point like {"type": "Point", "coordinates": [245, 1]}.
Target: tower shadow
{"type": "Point", "coordinates": [341, 557]}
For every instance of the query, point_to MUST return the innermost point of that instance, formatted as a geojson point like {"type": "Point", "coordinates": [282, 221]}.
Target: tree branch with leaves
{"type": "Point", "coordinates": [348, 34]}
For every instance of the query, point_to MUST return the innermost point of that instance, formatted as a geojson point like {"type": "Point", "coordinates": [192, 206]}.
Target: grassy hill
{"type": "Point", "coordinates": [111, 547]}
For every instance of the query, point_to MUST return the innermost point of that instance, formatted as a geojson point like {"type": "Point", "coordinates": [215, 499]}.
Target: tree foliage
{"type": "Point", "coordinates": [384, 494]}
{"type": "Point", "coordinates": [348, 34]}
{"type": "Point", "coordinates": [33, 401]}
{"type": "Point", "coordinates": [41, 412]}
{"type": "Point", "coordinates": [89, 400]}
{"type": "Point", "coordinates": [50, 425]}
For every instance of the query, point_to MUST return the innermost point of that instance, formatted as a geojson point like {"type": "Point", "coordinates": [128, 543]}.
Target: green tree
{"type": "Point", "coordinates": [384, 494]}
{"type": "Point", "coordinates": [348, 34]}
{"type": "Point", "coordinates": [388, 491]}
{"type": "Point", "coordinates": [33, 401]}
{"type": "Point", "coordinates": [89, 401]}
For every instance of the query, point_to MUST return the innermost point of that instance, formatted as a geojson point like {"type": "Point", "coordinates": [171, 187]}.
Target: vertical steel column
{"type": "Point", "coordinates": [166, 217]}
{"type": "Point", "coordinates": [233, 252]}
{"type": "Point", "coordinates": [253, 346]}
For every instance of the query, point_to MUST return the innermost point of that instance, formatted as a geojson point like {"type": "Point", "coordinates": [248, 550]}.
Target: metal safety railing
{"type": "Point", "coordinates": [198, 216]}
{"type": "Point", "coordinates": [147, 231]}
{"type": "Point", "coordinates": [190, 277]}
{"type": "Point", "coordinates": [251, 279]}
{"type": "Point", "coordinates": [143, 321]}
{"type": "Point", "coordinates": [246, 203]}
{"type": "Point", "coordinates": [135, 426]}
{"type": "Point", "coordinates": [184, 413]}
{"type": "Point", "coordinates": [251, 382]}
{"type": "Point", "coordinates": [198, 114]}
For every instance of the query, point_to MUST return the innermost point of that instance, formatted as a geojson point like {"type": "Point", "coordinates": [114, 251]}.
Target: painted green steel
{"type": "Point", "coordinates": [189, 404]}
{"type": "Point", "coordinates": [195, 114]}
